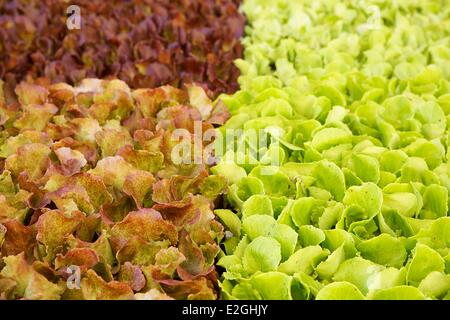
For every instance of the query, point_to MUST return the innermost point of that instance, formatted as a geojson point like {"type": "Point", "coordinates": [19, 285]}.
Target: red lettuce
{"type": "Point", "coordinates": [147, 43]}
{"type": "Point", "coordinates": [88, 188]}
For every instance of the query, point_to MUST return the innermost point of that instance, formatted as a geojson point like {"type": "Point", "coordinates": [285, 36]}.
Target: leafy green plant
{"type": "Point", "coordinates": [357, 206]}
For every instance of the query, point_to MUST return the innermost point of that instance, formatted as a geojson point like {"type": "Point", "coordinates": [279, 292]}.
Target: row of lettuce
{"type": "Point", "coordinates": [146, 44]}
{"type": "Point", "coordinates": [334, 184]}
{"type": "Point", "coordinates": [346, 194]}
{"type": "Point", "coordinates": [92, 205]}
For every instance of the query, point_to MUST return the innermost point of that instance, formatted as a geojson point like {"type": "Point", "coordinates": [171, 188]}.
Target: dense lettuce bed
{"type": "Point", "coordinates": [330, 176]}
{"type": "Point", "coordinates": [351, 199]}
{"type": "Point", "coordinates": [92, 203]}
{"type": "Point", "coordinates": [147, 43]}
